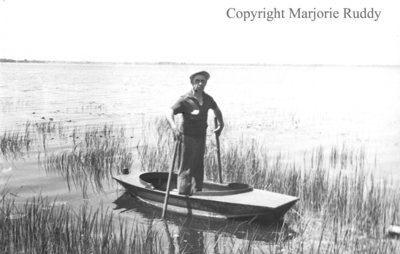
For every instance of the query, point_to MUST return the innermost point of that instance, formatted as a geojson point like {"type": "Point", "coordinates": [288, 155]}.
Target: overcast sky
{"type": "Point", "coordinates": [196, 32]}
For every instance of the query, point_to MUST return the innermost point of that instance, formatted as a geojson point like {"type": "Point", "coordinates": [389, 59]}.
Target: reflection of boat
{"type": "Point", "coordinates": [221, 201]}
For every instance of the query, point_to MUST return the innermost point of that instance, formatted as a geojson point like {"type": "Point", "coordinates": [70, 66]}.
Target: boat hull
{"type": "Point", "coordinates": [212, 204]}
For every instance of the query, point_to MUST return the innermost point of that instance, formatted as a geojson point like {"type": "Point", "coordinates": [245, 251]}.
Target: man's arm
{"type": "Point", "coordinates": [218, 115]}
{"type": "Point", "coordinates": [171, 120]}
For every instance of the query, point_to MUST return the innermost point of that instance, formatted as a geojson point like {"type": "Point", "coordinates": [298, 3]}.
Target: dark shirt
{"type": "Point", "coordinates": [194, 114]}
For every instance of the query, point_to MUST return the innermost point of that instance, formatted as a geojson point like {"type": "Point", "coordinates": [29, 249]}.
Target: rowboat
{"type": "Point", "coordinates": [239, 229]}
{"type": "Point", "coordinates": [218, 201]}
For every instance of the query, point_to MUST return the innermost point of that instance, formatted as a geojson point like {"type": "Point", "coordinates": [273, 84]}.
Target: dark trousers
{"type": "Point", "coordinates": [191, 170]}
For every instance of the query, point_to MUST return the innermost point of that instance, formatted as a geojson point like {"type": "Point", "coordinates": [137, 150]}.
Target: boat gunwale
{"type": "Point", "coordinates": [244, 187]}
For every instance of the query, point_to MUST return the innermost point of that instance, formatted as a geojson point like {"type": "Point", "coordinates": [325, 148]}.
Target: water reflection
{"type": "Point", "coordinates": [190, 234]}
{"type": "Point", "coordinates": [190, 240]}
{"type": "Point", "coordinates": [170, 239]}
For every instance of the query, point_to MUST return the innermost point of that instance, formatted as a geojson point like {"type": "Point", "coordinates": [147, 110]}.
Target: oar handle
{"type": "Point", "coordinates": [218, 151]}
{"type": "Point", "coordinates": [177, 143]}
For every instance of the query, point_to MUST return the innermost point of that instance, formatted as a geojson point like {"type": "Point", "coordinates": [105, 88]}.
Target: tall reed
{"type": "Point", "coordinates": [343, 206]}
{"type": "Point", "coordinates": [46, 129]}
{"type": "Point", "coordinates": [17, 143]}
{"type": "Point", "coordinates": [40, 226]}
{"type": "Point", "coordinates": [14, 144]}
{"type": "Point", "coordinates": [102, 153]}
{"type": "Point", "coordinates": [155, 146]}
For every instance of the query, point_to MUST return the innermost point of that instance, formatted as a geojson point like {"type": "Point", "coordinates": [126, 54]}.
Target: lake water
{"type": "Point", "coordinates": [290, 109]}
{"type": "Point", "coordinates": [294, 107]}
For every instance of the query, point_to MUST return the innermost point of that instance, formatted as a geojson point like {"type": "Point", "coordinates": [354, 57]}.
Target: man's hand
{"type": "Point", "coordinates": [218, 121]}
{"type": "Point", "coordinates": [218, 130]}
{"type": "Point", "coordinates": [177, 134]}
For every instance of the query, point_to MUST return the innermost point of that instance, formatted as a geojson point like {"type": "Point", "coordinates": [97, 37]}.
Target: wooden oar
{"type": "Point", "coordinates": [218, 151]}
{"type": "Point", "coordinates": [177, 142]}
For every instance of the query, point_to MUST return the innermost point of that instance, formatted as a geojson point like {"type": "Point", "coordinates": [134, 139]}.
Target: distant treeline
{"type": "Point", "coordinates": [6, 60]}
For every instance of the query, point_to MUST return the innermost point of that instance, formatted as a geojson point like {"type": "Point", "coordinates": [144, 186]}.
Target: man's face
{"type": "Point", "coordinates": [199, 82]}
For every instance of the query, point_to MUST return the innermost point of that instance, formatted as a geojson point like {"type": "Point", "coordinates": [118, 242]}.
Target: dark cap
{"type": "Point", "coordinates": [204, 73]}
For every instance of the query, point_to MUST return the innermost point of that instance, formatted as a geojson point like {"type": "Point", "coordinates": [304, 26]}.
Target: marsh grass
{"type": "Point", "coordinates": [39, 226]}
{"type": "Point", "coordinates": [154, 147]}
{"type": "Point", "coordinates": [47, 130]}
{"type": "Point", "coordinates": [343, 206]}
{"type": "Point", "coordinates": [353, 208]}
{"type": "Point", "coordinates": [101, 153]}
{"type": "Point", "coordinates": [15, 144]}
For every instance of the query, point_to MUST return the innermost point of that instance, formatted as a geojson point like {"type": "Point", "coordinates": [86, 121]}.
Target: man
{"type": "Point", "coordinates": [194, 107]}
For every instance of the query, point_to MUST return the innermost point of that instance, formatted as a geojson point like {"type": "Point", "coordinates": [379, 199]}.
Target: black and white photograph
{"type": "Point", "coordinates": [199, 126]}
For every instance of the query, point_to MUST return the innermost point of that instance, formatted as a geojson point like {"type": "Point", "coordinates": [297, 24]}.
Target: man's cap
{"type": "Point", "coordinates": [204, 73]}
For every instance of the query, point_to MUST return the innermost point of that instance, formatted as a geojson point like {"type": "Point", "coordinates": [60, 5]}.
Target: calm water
{"type": "Point", "coordinates": [291, 109]}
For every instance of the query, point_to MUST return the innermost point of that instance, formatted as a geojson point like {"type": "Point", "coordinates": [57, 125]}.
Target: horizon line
{"type": "Point", "coordinates": [9, 60]}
